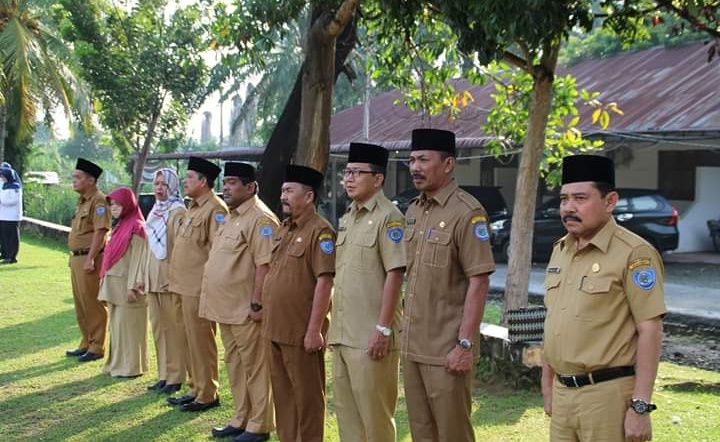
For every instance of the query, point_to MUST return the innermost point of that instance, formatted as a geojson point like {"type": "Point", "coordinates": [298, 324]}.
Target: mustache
{"type": "Point", "coordinates": [418, 176]}
{"type": "Point", "coordinates": [571, 218]}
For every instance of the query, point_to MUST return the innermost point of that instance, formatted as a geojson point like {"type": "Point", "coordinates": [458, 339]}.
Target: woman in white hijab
{"type": "Point", "coordinates": [165, 307]}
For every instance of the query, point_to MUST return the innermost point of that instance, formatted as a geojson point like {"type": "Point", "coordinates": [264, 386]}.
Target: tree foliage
{"type": "Point", "coordinates": [146, 67]}
{"type": "Point", "coordinates": [35, 73]}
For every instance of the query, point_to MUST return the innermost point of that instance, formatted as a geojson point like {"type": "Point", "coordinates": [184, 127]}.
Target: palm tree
{"type": "Point", "coordinates": [35, 73]}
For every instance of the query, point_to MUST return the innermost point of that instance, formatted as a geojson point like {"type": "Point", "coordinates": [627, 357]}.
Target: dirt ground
{"type": "Point", "coordinates": [701, 350]}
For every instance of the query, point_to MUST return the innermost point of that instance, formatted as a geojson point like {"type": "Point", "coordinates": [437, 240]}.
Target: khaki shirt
{"type": "Point", "coordinates": [369, 244]}
{"type": "Point", "coordinates": [596, 297]}
{"type": "Point", "coordinates": [156, 277]}
{"type": "Point", "coordinates": [192, 243]}
{"type": "Point", "coordinates": [92, 213]}
{"type": "Point", "coordinates": [303, 250]}
{"type": "Point", "coordinates": [241, 244]}
{"type": "Point", "coordinates": [448, 241]}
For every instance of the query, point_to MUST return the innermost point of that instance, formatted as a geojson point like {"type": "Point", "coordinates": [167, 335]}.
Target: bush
{"type": "Point", "coordinates": [55, 204]}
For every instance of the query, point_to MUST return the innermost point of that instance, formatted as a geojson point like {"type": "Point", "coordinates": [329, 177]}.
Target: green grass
{"type": "Point", "coordinates": [46, 396]}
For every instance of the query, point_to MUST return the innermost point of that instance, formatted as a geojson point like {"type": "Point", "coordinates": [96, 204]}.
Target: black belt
{"type": "Point", "coordinates": [606, 374]}
{"type": "Point", "coordinates": [83, 252]}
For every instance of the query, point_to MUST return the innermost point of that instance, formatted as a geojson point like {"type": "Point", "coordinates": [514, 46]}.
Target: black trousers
{"type": "Point", "coordinates": [9, 239]}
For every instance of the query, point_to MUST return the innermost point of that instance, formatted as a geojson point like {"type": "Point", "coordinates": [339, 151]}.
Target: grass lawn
{"type": "Point", "coordinates": [46, 396]}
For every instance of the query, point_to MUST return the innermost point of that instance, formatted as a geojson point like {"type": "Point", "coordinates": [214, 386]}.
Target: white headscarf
{"type": "Point", "coordinates": [156, 224]}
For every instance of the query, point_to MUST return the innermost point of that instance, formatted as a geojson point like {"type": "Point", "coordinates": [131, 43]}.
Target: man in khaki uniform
{"type": "Point", "coordinates": [449, 263]}
{"type": "Point", "coordinates": [366, 310]}
{"type": "Point", "coordinates": [296, 298]}
{"type": "Point", "coordinates": [232, 296]}
{"type": "Point", "coordinates": [605, 301]}
{"type": "Point", "coordinates": [88, 233]}
{"type": "Point", "coordinates": [192, 246]}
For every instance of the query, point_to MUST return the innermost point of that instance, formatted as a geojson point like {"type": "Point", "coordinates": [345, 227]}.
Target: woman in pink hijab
{"type": "Point", "coordinates": [122, 288]}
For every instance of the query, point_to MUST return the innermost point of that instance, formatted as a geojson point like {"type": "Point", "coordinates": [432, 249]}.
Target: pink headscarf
{"type": "Point", "coordinates": [131, 222]}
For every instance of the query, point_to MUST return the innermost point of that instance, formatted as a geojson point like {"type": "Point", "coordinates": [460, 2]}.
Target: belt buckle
{"type": "Point", "coordinates": [590, 377]}
{"type": "Point", "coordinates": [575, 381]}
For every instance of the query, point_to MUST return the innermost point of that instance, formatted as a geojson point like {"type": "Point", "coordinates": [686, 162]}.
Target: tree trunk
{"type": "Point", "coordinates": [3, 131]}
{"type": "Point", "coordinates": [313, 148]}
{"type": "Point", "coordinates": [139, 164]}
{"type": "Point", "coordinates": [284, 139]}
{"type": "Point", "coordinates": [521, 233]}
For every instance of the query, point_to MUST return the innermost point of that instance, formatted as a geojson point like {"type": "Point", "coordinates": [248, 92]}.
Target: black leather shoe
{"type": "Point", "coordinates": [227, 430]}
{"type": "Point", "coordinates": [170, 388]}
{"type": "Point", "coordinates": [252, 437]}
{"type": "Point", "coordinates": [90, 356]}
{"type": "Point", "coordinates": [76, 352]}
{"type": "Point", "coordinates": [198, 406]}
{"type": "Point", "coordinates": [180, 400]}
{"type": "Point", "coordinates": [157, 385]}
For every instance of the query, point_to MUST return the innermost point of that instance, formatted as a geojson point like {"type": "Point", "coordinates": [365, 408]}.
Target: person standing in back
{"type": "Point", "coordinates": [196, 233]}
{"type": "Point", "coordinates": [11, 212]}
{"type": "Point", "coordinates": [165, 307]}
{"type": "Point", "coordinates": [86, 241]}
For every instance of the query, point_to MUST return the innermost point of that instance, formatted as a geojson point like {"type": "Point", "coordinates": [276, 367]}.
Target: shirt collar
{"type": "Point", "coordinates": [243, 208]}
{"type": "Point", "coordinates": [202, 199]}
{"type": "Point", "coordinates": [601, 240]}
{"type": "Point", "coordinates": [442, 196]}
{"type": "Point", "coordinates": [369, 204]}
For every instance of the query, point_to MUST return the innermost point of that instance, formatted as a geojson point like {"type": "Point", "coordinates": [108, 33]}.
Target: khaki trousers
{"type": "Point", "coordinates": [128, 341]}
{"type": "Point", "coordinates": [438, 403]}
{"type": "Point", "coordinates": [593, 413]}
{"type": "Point", "coordinates": [298, 385]}
{"type": "Point", "coordinates": [247, 360]}
{"type": "Point", "coordinates": [168, 328]}
{"type": "Point", "coordinates": [203, 351]}
{"type": "Point", "coordinates": [365, 394]}
{"type": "Point", "coordinates": [91, 314]}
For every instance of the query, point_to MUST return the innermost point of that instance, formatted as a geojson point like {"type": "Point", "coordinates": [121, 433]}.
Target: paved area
{"type": "Point", "coordinates": [697, 298]}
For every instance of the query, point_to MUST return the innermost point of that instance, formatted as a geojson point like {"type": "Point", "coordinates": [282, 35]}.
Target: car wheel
{"type": "Point", "coordinates": [505, 252]}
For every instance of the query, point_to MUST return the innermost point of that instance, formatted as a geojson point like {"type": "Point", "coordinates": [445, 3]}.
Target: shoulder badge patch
{"type": "Point", "coordinates": [639, 263]}
{"type": "Point", "coordinates": [100, 210]}
{"type": "Point", "coordinates": [327, 246]}
{"type": "Point", "coordinates": [645, 278]}
{"type": "Point", "coordinates": [480, 228]}
{"type": "Point", "coordinates": [266, 230]}
{"type": "Point", "coordinates": [219, 218]}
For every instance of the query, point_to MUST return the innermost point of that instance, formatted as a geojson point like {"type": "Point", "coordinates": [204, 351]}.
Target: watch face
{"type": "Point", "coordinates": [640, 407]}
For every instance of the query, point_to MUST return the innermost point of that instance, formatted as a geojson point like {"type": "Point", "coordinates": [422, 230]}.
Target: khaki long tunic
{"type": "Point", "coordinates": [596, 297]}
{"type": "Point", "coordinates": [241, 244]}
{"type": "Point", "coordinates": [369, 244]}
{"type": "Point", "coordinates": [125, 275]}
{"type": "Point", "coordinates": [448, 241]}
{"type": "Point", "coordinates": [157, 278]}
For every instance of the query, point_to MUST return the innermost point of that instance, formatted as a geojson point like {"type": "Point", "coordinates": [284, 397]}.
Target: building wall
{"type": "Point", "coordinates": [694, 234]}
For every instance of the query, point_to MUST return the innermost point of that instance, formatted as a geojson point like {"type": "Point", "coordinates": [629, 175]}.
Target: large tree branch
{"type": "Point", "coordinates": [519, 62]}
{"type": "Point", "coordinates": [692, 19]}
{"type": "Point", "coordinates": [342, 17]}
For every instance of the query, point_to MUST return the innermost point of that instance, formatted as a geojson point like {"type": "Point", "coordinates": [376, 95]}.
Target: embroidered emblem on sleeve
{"type": "Point", "coordinates": [480, 228]}
{"type": "Point", "coordinates": [327, 243]}
{"type": "Point", "coordinates": [395, 231]}
{"type": "Point", "coordinates": [639, 263]}
{"type": "Point", "coordinates": [219, 218]}
{"type": "Point", "coordinates": [266, 230]}
{"type": "Point", "coordinates": [100, 210]}
{"type": "Point", "coordinates": [644, 278]}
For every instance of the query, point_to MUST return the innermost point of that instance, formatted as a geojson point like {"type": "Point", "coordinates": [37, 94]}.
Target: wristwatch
{"type": "Point", "coordinates": [255, 306]}
{"type": "Point", "coordinates": [385, 331]}
{"type": "Point", "coordinates": [640, 406]}
{"type": "Point", "coordinates": [465, 344]}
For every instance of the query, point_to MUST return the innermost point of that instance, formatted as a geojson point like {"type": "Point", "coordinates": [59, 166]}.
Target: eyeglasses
{"type": "Point", "coordinates": [356, 172]}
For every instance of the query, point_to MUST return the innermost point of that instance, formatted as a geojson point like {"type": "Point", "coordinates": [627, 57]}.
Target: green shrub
{"type": "Point", "coordinates": [55, 204]}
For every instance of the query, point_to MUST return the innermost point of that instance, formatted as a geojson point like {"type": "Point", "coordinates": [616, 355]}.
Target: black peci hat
{"type": "Point", "coordinates": [240, 170]}
{"type": "Point", "coordinates": [433, 139]}
{"type": "Point", "coordinates": [89, 167]}
{"type": "Point", "coordinates": [205, 167]}
{"type": "Point", "coordinates": [303, 175]}
{"type": "Point", "coordinates": [580, 168]}
{"type": "Point", "coordinates": [368, 153]}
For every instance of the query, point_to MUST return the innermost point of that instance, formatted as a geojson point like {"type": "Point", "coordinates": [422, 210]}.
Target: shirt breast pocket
{"type": "Point", "coordinates": [595, 300]}
{"type": "Point", "coordinates": [296, 250]}
{"type": "Point", "coordinates": [191, 228]}
{"type": "Point", "coordinates": [232, 242]}
{"type": "Point", "coordinates": [366, 245]}
{"type": "Point", "coordinates": [437, 250]}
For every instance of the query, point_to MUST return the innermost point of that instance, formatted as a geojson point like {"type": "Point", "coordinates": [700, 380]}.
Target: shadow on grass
{"type": "Point", "coordinates": [27, 373]}
{"type": "Point", "coordinates": [35, 336]}
{"type": "Point", "coordinates": [694, 387]}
